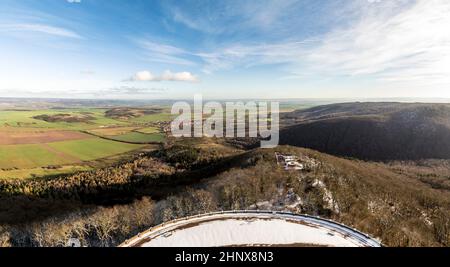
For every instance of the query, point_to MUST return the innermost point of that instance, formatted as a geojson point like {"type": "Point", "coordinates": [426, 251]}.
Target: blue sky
{"type": "Point", "coordinates": [141, 49]}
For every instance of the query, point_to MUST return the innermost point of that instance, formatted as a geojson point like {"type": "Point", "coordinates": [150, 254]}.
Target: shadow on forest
{"type": "Point", "coordinates": [22, 208]}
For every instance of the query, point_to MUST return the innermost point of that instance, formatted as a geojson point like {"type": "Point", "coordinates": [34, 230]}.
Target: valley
{"type": "Point", "coordinates": [105, 188]}
{"type": "Point", "coordinates": [372, 131]}
{"type": "Point", "coordinates": [274, 125]}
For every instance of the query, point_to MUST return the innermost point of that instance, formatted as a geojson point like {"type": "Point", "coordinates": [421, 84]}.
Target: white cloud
{"type": "Point", "coordinates": [39, 28]}
{"type": "Point", "coordinates": [166, 76]}
{"type": "Point", "coordinates": [73, 1]}
{"type": "Point", "coordinates": [143, 76]}
{"type": "Point", "coordinates": [179, 76]}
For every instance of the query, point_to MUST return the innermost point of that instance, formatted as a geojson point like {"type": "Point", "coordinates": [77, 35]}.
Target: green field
{"type": "Point", "coordinates": [153, 118]}
{"type": "Point", "coordinates": [91, 149]}
{"type": "Point", "coordinates": [25, 119]}
{"type": "Point", "coordinates": [112, 131]}
{"type": "Point", "coordinates": [148, 130]}
{"type": "Point", "coordinates": [45, 157]}
{"type": "Point", "coordinates": [58, 153]}
{"type": "Point", "coordinates": [136, 137]}
{"type": "Point", "coordinates": [28, 156]}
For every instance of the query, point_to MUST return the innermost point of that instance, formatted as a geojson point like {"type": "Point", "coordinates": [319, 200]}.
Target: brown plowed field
{"type": "Point", "coordinates": [37, 137]}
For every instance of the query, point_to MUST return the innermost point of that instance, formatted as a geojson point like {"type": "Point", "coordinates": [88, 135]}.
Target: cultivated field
{"type": "Point", "coordinates": [138, 137]}
{"type": "Point", "coordinates": [60, 139]}
{"type": "Point", "coordinates": [18, 136]}
{"type": "Point", "coordinates": [112, 131]}
{"type": "Point", "coordinates": [56, 141]}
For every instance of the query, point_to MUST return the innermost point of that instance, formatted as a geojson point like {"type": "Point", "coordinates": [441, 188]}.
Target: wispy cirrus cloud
{"type": "Point", "coordinates": [219, 17]}
{"type": "Point", "coordinates": [39, 28]}
{"type": "Point", "coordinates": [289, 52]}
{"type": "Point", "coordinates": [163, 53]}
{"type": "Point", "coordinates": [195, 24]}
{"type": "Point", "coordinates": [411, 45]}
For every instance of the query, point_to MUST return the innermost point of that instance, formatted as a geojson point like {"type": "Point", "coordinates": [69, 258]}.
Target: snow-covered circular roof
{"type": "Point", "coordinates": [251, 228]}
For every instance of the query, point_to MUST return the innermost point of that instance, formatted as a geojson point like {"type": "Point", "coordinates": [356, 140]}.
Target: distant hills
{"type": "Point", "coordinates": [372, 131]}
